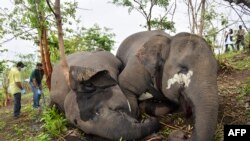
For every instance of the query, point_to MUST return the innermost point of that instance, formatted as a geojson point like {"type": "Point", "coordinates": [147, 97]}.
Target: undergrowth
{"type": "Point", "coordinates": [54, 123]}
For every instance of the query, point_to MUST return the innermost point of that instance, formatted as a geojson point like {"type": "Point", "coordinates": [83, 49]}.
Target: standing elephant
{"type": "Point", "coordinates": [94, 102]}
{"type": "Point", "coordinates": [181, 67]}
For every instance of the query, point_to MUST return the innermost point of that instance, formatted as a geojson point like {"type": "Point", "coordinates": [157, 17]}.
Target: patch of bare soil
{"type": "Point", "coordinates": [233, 105]}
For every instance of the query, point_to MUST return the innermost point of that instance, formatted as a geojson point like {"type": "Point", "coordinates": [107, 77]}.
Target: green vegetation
{"type": "Point", "coordinates": [32, 125]}
{"type": "Point", "coordinates": [54, 123]}
{"type": "Point", "coordinates": [237, 60]}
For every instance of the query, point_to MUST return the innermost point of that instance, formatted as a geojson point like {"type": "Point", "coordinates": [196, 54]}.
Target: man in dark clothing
{"type": "Point", "coordinates": [36, 84]}
{"type": "Point", "coordinates": [240, 38]}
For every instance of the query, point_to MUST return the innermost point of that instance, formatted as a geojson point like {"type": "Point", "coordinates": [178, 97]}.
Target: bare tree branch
{"type": "Point", "coordinates": [245, 2]}
{"type": "Point", "coordinates": [240, 16]}
{"type": "Point", "coordinates": [48, 3]}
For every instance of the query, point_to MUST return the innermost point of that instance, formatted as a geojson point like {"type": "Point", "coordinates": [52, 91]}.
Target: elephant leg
{"type": "Point", "coordinates": [133, 85]}
{"type": "Point", "coordinates": [133, 102]}
{"type": "Point", "coordinates": [154, 108]}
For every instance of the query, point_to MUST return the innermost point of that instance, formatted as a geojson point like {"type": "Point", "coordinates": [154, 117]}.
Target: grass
{"type": "Point", "coordinates": [239, 60]}
{"type": "Point", "coordinates": [31, 125]}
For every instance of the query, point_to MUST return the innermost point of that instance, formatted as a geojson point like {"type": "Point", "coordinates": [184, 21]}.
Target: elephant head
{"type": "Point", "coordinates": [97, 105]}
{"type": "Point", "coordinates": [190, 77]}
{"type": "Point", "coordinates": [185, 72]}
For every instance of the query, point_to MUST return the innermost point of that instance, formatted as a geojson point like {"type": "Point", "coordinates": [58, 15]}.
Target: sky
{"type": "Point", "coordinates": [105, 15]}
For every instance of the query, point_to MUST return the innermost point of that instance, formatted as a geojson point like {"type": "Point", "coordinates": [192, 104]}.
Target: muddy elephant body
{"type": "Point", "coordinates": [181, 67]}
{"type": "Point", "coordinates": [94, 102]}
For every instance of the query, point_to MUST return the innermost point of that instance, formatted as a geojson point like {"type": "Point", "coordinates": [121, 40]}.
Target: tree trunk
{"type": "Point", "coordinates": [47, 58]}
{"type": "Point", "coordinates": [63, 61]}
{"type": "Point", "coordinates": [202, 18]}
{"type": "Point", "coordinates": [45, 55]}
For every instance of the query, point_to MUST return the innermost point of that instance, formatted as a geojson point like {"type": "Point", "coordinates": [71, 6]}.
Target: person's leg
{"type": "Point", "coordinates": [36, 100]}
{"type": "Point", "coordinates": [243, 44]}
{"type": "Point", "coordinates": [232, 46]}
{"type": "Point", "coordinates": [226, 48]}
{"type": "Point", "coordinates": [17, 104]}
{"type": "Point", "coordinates": [238, 45]}
{"type": "Point", "coordinates": [34, 95]}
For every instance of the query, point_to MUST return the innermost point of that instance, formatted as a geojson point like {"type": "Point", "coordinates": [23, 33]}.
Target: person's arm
{"type": "Point", "coordinates": [19, 85]}
{"type": "Point", "coordinates": [42, 74]}
{"type": "Point", "coordinates": [33, 79]}
{"type": "Point", "coordinates": [18, 80]}
{"type": "Point", "coordinates": [34, 82]}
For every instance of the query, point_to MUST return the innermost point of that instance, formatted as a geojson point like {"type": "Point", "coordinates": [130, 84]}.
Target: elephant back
{"type": "Point", "coordinates": [132, 44]}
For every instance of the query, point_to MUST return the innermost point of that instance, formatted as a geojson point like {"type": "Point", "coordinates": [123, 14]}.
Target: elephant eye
{"type": "Point", "coordinates": [183, 69]}
{"type": "Point", "coordinates": [86, 87]}
{"type": "Point", "coordinates": [89, 87]}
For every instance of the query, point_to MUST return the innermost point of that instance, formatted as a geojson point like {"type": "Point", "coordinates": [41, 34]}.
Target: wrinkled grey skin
{"type": "Point", "coordinates": [141, 54]}
{"type": "Point", "coordinates": [94, 102]}
{"type": "Point", "coordinates": [181, 55]}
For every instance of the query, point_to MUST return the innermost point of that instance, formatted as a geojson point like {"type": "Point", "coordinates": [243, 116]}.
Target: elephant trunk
{"type": "Point", "coordinates": [125, 127]}
{"type": "Point", "coordinates": [204, 104]}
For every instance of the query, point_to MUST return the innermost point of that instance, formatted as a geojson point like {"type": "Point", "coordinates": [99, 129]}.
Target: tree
{"type": "Point", "coordinates": [63, 61]}
{"type": "Point", "coordinates": [30, 20]}
{"type": "Point", "coordinates": [196, 13]}
{"type": "Point", "coordinates": [145, 8]}
{"type": "Point", "coordinates": [83, 40]}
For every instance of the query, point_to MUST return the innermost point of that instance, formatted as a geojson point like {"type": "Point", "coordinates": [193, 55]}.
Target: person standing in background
{"type": "Point", "coordinates": [36, 84]}
{"type": "Point", "coordinates": [229, 40]}
{"type": "Point", "coordinates": [15, 87]}
{"type": "Point", "coordinates": [240, 38]}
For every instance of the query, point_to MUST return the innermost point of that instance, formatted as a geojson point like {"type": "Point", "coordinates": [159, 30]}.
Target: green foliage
{"type": "Point", "coordinates": [211, 31]}
{"type": "Point", "coordinates": [83, 40]}
{"type": "Point", "coordinates": [211, 35]}
{"type": "Point", "coordinates": [40, 137]}
{"type": "Point", "coordinates": [235, 59]}
{"type": "Point", "coordinates": [1, 100]}
{"type": "Point", "coordinates": [166, 131]}
{"type": "Point", "coordinates": [2, 66]}
{"type": "Point", "coordinates": [247, 41]}
{"type": "Point", "coordinates": [28, 17]}
{"type": "Point", "coordinates": [145, 8]}
{"type": "Point", "coordinates": [2, 125]}
{"type": "Point", "coordinates": [54, 123]}
{"type": "Point", "coordinates": [94, 37]}
{"type": "Point", "coordinates": [162, 24]}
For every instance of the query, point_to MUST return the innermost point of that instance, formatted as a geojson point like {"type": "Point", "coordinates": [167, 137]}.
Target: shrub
{"type": "Point", "coordinates": [54, 122]}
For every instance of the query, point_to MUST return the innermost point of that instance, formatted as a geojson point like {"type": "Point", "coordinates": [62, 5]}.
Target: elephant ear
{"type": "Point", "coordinates": [78, 74]}
{"type": "Point", "coordinates": [103, 79]}
{"type": "Point", "coordinates": [154, 53]}
{"type": "Point", "coordinates": [97, 77]}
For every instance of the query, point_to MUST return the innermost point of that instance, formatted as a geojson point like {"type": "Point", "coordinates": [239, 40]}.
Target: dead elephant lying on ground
{"type": "Point", "coordinates": [94, 102]}
{"type": "Point", "coordinates": [180, 69]}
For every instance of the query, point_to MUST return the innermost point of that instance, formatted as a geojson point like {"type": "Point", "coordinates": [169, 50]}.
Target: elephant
{"type": "Point", "coordinates": [93, 100]}
{"type": "Point", "coordinates": [181, 67]}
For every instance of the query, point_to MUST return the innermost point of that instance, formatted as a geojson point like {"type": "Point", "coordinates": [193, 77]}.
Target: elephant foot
{"type": "Point", "coordinates": [177, 135]}
{"type": "Point", "coordinates": [154, 108]}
